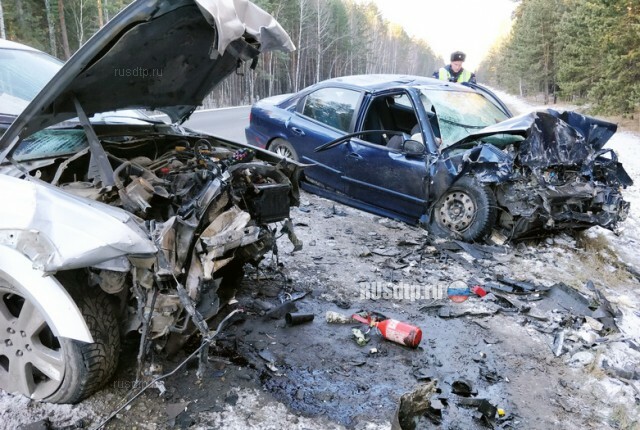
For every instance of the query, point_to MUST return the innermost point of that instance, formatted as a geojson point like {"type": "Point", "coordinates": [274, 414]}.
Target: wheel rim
{"type": "Point", "coordinates": [283, 151]}
{"type": "Point", "coordinates": [457, 211]}
{"type": "Point", "coordinates": [32, 360]}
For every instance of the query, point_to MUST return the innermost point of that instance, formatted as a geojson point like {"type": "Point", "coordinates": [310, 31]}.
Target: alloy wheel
{"type": "Point", "coordinates": [31, 358]}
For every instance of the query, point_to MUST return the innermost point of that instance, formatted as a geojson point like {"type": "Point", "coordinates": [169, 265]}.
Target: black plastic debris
{"type": "Point", "coordinates": [231, 398]}
{"type": "Point", "coordinates": [184, 420]}
{"type": "Point", "coordinates": [463, 387]}
{"type": "Point", "coordinates": [488, 410]}
{"type": "Point", "coordinates": [512, 302]}
{"type": "Point", "coordinates": [569, 299]}
{"type": "Point", "coordinates": [469, 401]}
{"type": "Point", "coordinates": [291, 297]}
{"type": "Point", "coordinates": [495, 286]}
{"type": "Point", "coordinates": [342, 304]}
{"type": "Point", "coordinates": [280, 311]}
{"type": "Point", "coordinates": [605, 312]}
{"type": "Point", "coordinates": [298, 318]}
{"type": "Point", "coordinates": [173, 410]}
{"type": "Point", "coordinates": [521, 286]}
{"type": "Point", "coordinates": [423, 374]}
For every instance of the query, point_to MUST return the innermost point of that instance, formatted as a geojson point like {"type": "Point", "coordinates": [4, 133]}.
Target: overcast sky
{"type": "Point", "coordinates": [470, 26]}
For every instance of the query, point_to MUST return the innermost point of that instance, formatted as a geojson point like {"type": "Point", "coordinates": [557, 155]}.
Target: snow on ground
{"type": "Point", "coordinates": [606, 244]}
{"type": "Point", "coordinates": [588, 397]}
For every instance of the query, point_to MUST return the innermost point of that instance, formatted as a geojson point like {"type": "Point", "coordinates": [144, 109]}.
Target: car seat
{"type": "Point", "coordinates": [395, 142]}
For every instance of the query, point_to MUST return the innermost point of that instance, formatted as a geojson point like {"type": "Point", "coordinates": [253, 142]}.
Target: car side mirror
{"type": "Point", "coordinates": [413, 147]}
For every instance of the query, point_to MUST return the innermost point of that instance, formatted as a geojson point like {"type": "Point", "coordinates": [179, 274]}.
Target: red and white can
{"type": "Point", "coordinates": [399, 332]}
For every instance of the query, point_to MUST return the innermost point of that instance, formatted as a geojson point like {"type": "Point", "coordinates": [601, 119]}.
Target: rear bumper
{"type": "Point", "coordinates": [255, 138]}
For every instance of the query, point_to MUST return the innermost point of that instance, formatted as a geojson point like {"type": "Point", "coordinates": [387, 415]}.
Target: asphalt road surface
{"type": "Point", "coordinates": [228, 123]}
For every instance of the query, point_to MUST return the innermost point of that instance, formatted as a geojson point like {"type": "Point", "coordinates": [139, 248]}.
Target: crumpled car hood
{"type": "Point", "coordinates": [58, 230]}
{"type": "Point", "coordinates": [550, 137]}
{"type": "Point", "coordinates": [156, 54]}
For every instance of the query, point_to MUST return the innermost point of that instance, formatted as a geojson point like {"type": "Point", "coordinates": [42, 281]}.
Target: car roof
{"type": "Point", "coordinates": [382, 81]}
{"type": "Point", "coordinates": [7, 44]}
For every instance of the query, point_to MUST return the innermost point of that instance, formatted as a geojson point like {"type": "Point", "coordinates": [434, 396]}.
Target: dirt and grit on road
{"type": "Point", "coordinates": [555, 342]}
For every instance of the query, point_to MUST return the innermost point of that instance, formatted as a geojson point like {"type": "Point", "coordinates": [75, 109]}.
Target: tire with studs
{"type": "Point", "coordinates": [42, 366]}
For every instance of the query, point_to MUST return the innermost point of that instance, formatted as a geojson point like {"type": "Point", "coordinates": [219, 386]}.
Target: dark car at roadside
{"type": "Point", "coordinates": [450, 157]}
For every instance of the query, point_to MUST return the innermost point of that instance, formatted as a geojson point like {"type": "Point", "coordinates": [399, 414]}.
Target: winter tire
{"type": "Point", "coordinates": [42, 366]}
{"type": "Point", "coordinates": [466, 211]}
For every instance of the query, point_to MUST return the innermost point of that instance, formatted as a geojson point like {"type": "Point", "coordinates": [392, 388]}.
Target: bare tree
{"type": "Point", "coordinates": [50, 25]}
{"type": "Point", "coordinates": [322, 24]}
{"type": "Point", "coordinates": [299, 61]}
{"type": "Point", "coordinates": [105, 4]}
{"type": "Point", "coordinates": [100, 19]}
{"type": "Point", "coordinates": [63, 30]}
{"type": "Point", "coordinates": [77, 10]}
{"type": "Point", "coordinates": [3, 33]}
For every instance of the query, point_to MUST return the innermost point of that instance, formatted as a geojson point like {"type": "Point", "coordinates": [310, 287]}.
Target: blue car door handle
{"type": "Point", "coordinates": [297, 131]}
{"type": "Point", "coordinates": [355, 156]}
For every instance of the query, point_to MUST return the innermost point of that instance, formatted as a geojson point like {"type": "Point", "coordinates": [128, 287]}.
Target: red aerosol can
{"type": "Point", "coordinates": [394, 330]}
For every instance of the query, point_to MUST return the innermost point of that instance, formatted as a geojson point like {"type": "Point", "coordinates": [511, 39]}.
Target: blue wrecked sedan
{"type": "Point", "coordinates": [447, 156]}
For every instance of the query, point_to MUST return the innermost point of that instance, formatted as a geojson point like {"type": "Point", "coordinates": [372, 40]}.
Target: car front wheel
{"type": "Point", "coordinates": [284, 149]}
{"type": "Point", "coordinates": [38, 364]}
{"type": "Point", "coordinates": [466, 211]}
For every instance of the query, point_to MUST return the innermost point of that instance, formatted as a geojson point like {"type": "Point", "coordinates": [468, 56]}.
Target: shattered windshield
{"type": "Point", "coordinates": [51, 143]}
{"type": "Point", "coordinates": [460, 113]}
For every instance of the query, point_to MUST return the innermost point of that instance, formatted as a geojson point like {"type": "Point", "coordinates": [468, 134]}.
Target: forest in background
{"type": "Point", "coordinates": [332, 37]}
{"type": "Point", "coordinates": [578, 51]}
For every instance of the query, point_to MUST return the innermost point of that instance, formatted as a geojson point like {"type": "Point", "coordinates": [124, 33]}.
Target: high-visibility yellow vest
{"type": "Point", "coordinates": [444, 75]}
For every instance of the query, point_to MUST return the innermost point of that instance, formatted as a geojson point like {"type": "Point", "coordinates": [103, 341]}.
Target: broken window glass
{"type": "Point", "coordinates": [460, 113]}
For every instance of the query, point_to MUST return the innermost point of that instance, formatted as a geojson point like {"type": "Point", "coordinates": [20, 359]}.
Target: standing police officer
{"type": "Point", "coordinates": [454, 71]}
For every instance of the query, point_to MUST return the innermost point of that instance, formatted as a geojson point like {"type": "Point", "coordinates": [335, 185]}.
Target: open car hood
{"type": "Point", "coordinates": [164, 55]}
{"type": "Point", "coordinates": [550, 137]}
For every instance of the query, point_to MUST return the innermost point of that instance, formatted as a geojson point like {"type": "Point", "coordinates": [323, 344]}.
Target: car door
{"type": "Point", "coordinates": [384, 177]}
{"type": "Point", "coordinates": [323, 115]}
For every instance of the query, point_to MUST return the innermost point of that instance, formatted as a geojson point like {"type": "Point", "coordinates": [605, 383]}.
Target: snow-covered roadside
{"type": "Point", "coordinates": [625, 244]}
{"type": "Point", "coordinates": [610, 246]}
{"type": "Point", "coordinates": [545, 389]}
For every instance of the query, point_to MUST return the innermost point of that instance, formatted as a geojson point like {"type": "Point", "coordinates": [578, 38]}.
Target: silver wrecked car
{"type": "Point", "coordinates": [111, 224]}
